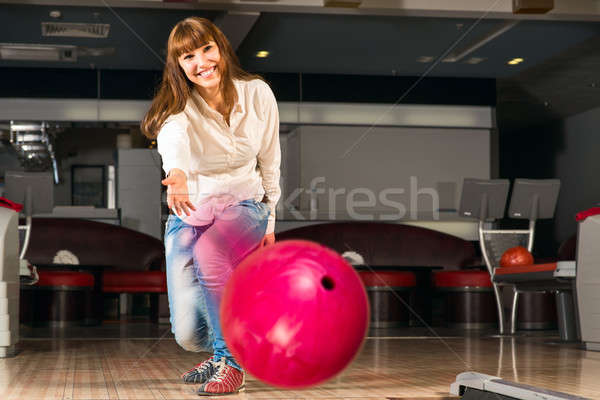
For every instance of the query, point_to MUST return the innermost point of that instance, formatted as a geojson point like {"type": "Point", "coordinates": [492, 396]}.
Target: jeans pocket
{"type": "Point", "coordinates": [264, 208]}
{"type": "Point", "coordinates": [170, 224]}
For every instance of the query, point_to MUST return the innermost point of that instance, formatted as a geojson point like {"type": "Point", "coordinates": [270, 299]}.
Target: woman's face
{"type": "Point", "coordinates": [201, 65]}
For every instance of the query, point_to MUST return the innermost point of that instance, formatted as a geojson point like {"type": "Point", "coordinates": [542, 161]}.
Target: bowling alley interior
{"type": "Point", "coordinates": [424, 199]}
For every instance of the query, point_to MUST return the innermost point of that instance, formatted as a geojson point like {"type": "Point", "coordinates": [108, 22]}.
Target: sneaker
{"type": "Point", "coordinates": [226, 380]}
{"type": "Point", "coordinates": [201, 373]}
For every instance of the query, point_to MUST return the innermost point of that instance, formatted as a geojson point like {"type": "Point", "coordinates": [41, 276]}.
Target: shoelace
{"type": "Point", "coordinates": [200, 368]}
{"type": "Point", "coordinates": [220, 367]}
{"type": "Point", "coordinates": [204, 366]}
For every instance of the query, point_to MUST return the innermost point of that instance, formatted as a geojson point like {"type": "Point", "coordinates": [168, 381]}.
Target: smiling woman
{"type": "Point", "coordinates": [201, 68]}
{"type": "Point", "coordinates": [194, 45]}
{"type": "Point", "coordinates": [217, 131]}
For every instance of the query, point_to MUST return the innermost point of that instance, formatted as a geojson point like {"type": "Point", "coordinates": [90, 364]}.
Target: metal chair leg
{"type": "Point", "coordinates": [125, 303]}
{"type": "Point", "coordinates": [500, 309]}
{"type": "Point", "coordinates": [513, 316]}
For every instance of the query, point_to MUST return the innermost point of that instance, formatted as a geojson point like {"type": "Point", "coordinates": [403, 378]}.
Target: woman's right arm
{"type": "Point", "coordinates": [173, 145]}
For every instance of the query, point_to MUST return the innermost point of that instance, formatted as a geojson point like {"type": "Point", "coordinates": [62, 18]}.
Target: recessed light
{"type": "Point", "coordinates": [475, 60]}
{"type": "Point", "coordinates": [425, 59]}
{"type": "Point", "coordinates": [515, 61]}
{"type": "Point", "coordinates": [262, 54]}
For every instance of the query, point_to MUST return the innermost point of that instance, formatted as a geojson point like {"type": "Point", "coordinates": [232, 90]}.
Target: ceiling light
{"type": "Point", "coordinates": [515, 61]}
{"type": "Point", "coordinates": [262, 54]}
{"type": "Point", "coordinates": [469, 48]}
{"type": "Point", "coordinates": [475, 60]}
{"type": "Point", "coordinates": [425, 59]}
{"type": "Point", "coordinates": [37, 52]}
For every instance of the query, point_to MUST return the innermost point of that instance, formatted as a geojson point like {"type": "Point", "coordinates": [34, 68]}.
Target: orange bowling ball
{"type": "Point", "coordinates": [516, 256]}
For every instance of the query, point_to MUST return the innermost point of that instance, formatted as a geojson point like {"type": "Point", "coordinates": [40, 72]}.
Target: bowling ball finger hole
{"type": "Point", "coordinates": [327, 283]}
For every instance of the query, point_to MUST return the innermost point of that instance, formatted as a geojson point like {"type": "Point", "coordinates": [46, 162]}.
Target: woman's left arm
{"type": "Point", "coordinates": [269, 160]}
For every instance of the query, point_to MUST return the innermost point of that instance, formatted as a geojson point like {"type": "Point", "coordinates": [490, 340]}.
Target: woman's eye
{"type": "Point", "coordinates": [187, 57]}
{"type": "Point", "coordinates": [207, 48]}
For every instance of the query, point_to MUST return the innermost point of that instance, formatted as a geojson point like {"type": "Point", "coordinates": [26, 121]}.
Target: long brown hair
{"type": "Point", "coordinates": [175, 88]}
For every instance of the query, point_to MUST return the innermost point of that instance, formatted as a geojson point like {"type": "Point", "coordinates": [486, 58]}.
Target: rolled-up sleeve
{"type": "Point", "coordinates": [173, 144]}
{"type": "Point", "coordinates": [269, 155]}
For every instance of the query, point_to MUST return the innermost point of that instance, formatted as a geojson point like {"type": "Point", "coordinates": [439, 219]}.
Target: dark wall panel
{"type": "Point", "coordinates": [137, 84]}
{"type": "Point", "coordinates": [48, 83]}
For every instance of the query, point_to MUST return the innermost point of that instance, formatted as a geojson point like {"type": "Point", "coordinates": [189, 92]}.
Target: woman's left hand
{"type": "Point", "coordinates": [268, 239]}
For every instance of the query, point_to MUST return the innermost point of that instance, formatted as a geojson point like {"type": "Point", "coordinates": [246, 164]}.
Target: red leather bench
{"type": "Point", "coordinates": [468, 297]}
{"type": "Point", "coordinates": [59, 298]}
{"type": "Point", "coordinates": [389, 293]}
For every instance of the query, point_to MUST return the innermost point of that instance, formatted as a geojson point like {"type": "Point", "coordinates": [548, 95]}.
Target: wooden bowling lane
{"type": "Point", "coordinates": [385, 369]}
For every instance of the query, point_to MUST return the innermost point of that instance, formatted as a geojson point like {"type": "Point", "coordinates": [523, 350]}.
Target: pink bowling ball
{"type": "Point", "coordinates": [294, 314]}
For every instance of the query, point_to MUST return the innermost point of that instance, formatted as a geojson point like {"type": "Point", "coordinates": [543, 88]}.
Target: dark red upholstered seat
{"type": "Point", "coordinates": [470, 278]}
{"type": "Point", "coordinates": [468, 297]}
{"type": "Point", "coordinates": [134, 282]}
{"type": "Point", "coordinates": [59, 298]}
{"type": "Point", "coordinates": [388, 293]}
{"type": "Point", "coordinates": [525, 269]}
{"type": "Point", "coordinates": [391, 279]}
{"type": "Point", "coordinates": [65, 278]}
{"type": "Point", "coordinates": [390, 244]}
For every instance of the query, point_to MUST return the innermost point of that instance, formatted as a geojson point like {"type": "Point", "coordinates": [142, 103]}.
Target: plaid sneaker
{"type": "Point", "coordinates": [201, 372]}
{"type": "Point", "coordinates": [226, 380]}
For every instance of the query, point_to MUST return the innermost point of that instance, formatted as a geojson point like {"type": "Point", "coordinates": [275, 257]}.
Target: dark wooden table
{"type": "Point", "coordinates": [95, 309]}
{"type": "Point", "coordinates": [421, 302]}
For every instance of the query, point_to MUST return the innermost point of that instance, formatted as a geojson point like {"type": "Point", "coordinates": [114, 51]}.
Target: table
{"type": "Point", "coordinates": [95, 310]}
{"type": "Point", "coordinates": [421, 302]}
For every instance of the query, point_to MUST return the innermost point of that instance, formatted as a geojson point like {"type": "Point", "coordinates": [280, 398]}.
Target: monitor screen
{"type": "Point", "coordinates": [483, 199]}
{"type": "Point", "coordinates": [534, 198]}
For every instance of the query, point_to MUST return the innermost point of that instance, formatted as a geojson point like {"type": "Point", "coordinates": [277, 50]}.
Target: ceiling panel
{"type": "Point", "coordinates": [308, 43]}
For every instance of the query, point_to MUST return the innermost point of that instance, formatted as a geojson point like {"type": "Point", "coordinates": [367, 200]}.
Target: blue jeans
{"type": "Point", "coordinates": [200, 260]}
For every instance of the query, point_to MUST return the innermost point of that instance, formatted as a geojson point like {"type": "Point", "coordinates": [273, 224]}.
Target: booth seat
{"type": "Point", "coordinates": [389, 244]}
{"type": "Point", "coordinates": [132, 262]}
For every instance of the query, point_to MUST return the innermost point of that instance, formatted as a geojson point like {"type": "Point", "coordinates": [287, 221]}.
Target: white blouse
{"type": "Point", "coordinates": [226, 164]}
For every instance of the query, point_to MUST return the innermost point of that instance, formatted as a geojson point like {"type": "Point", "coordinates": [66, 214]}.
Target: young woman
{"type": "Point", "coordinates": [217, 130]}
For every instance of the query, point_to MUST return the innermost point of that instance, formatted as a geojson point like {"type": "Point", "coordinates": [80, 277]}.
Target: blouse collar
{"type": "Point", "coordinates": [237, 107]}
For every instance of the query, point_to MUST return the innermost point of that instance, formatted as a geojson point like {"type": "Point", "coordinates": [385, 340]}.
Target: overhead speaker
{"type": "Point", "coordinates": [532, 6]}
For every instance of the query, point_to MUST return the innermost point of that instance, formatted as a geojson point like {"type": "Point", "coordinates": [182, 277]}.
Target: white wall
{"type": "Point", "coordinates": [8, 162]}
{"type": "Point", "coordinates": [355, 160]}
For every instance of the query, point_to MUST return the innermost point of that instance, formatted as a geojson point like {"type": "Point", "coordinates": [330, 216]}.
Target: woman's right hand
{"type": "Point", "coordinates": [177, 192]}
